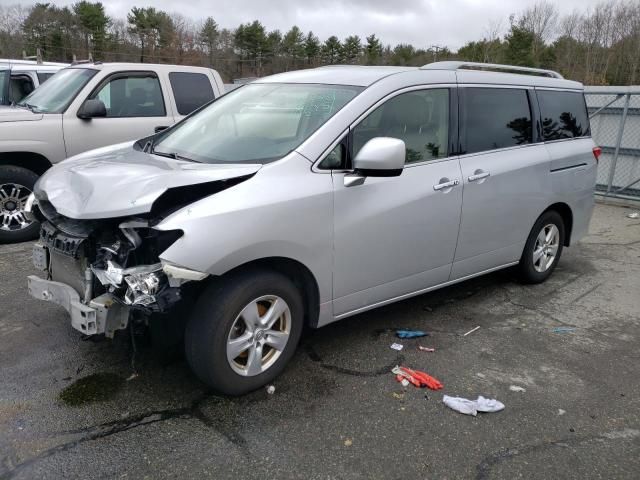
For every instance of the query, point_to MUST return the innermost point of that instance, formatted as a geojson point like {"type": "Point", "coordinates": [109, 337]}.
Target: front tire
{"type": "Point", "coordinates": [16, 184]}
{"type": "Point", "coordinates": [543, 248]}
{"type": "Point", "coordinates": [243, 330]}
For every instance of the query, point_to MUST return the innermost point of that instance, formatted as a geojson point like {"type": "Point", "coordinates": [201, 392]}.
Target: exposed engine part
{"type": "Point", "coordinates": [60, 242]}
{"type": "Point", "coordinates": [142, 288]}
{"type": "Point", "coordinates": [129, 230]}
{"type": "Point", "coordinates": [105, 271]}
{"type": "Point", "coordinates": [70, 271]}
{"type": "Point", "coordinates": [114, 273]}
{"type": "Point", "coordinates": [88, 285]}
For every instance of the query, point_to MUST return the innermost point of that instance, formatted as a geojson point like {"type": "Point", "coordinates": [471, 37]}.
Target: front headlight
{"type": "Point", "coordinates": [142, 288]}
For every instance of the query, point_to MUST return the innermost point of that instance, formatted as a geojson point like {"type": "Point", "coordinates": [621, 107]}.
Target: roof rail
{"type": "Point", "coordinates": [490, 67]}
{"type": "Point", "coordinates": [75, 61]}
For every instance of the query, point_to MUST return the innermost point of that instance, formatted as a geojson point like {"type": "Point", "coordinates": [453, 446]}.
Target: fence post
{"type": "Point", "coordinates": [623, 120]}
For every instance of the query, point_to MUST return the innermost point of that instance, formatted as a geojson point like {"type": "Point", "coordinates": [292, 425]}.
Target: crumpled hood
{"type": "Point", "coordinates": [119, 181]}
{"type": "Point", "coordinates": [16, 114]}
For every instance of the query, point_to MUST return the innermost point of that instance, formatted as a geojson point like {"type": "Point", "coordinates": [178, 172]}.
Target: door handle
{"type": "Point", "coordinates": [159, 128]}
{"type": "Point", "coordinates": [478, 176]}
{"type": "Point", "coordinates": [444, 185]}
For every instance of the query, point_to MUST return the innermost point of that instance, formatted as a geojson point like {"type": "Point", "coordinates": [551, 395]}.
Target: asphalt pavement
{"type": "Point", "coordinates": [562, 356]}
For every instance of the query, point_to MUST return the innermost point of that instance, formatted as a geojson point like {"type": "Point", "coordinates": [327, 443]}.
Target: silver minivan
{"type": "Point", "coordinates": [307, 197]}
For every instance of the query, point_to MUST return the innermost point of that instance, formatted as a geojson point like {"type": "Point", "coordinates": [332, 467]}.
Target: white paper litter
{"type": "Point", "coordinates": [472, 407]}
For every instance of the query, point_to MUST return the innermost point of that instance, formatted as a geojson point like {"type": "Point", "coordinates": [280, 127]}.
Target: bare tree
{"type": "Point", "coordinates": [11, 20]}
{"type": "Point", "coordinates": [541, 20]}
{"type": "Point", "coordinates": [491, 46]}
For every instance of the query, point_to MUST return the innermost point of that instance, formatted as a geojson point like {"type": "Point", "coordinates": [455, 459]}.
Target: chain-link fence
{"type": "Point", "coordinates": [615, 126]}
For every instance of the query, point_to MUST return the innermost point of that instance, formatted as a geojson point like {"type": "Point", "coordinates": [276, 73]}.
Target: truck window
{"type": "Point", "coordinates": [564, 114]}
{"type": "Point", "coordinates": [21, 86]}
{"type": "Point", "coordinates": [495, 118]}
{"type": "Point", "coordinates": [44, 76]}
{"type": "Point", "coordinates": [191, 91]}
{"type": "Point", "coordinates": [132, 96]}
{"type": "Point", "coordinates": [4, 86]}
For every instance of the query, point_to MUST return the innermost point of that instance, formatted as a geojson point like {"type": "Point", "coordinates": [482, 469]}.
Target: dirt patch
{"type": "Point", "coordinates": [92, 388]}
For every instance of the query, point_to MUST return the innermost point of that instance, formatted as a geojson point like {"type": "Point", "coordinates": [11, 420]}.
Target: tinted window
{"type": "Point", "coordinates": [420, 119]}
{"type": "Point", "coordinates": [44, 76]}
{"type": "Point", "coordinates": [191, 91]}
{"type": "Point", "coordinates": [132, 96]}
{"type": "Point", "coordinates": [495, 118]}
{"type": "Point", "coordinates": [21, 86]}
{"type": "Point", "coordinates": [5, 76]}
{"type": "Point", "coordinates": [564, 114]}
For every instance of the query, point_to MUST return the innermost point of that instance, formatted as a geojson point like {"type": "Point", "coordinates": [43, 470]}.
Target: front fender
{"type": "Point", "coordinates": [284, 210]}
{"type": "Point", "coordinates": [43, 137]}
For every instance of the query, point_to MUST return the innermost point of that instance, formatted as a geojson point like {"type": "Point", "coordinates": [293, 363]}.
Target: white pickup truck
{"type": "Point", "coordinates": [18, 78]}
{"type": "Point", "coordinates": [87, 106]}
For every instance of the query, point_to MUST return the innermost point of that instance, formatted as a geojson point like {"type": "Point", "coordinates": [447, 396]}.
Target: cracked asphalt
{"type": "Point", "coordinates": [570, 344]}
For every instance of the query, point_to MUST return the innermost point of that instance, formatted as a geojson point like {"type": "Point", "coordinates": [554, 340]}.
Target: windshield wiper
{"type": "Point", "coordinates": [28, 106]}
{"type": "Point", "coordinates": [172, 155]}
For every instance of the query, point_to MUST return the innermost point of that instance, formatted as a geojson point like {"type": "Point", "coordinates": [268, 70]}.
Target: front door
{"type": "Point", "coordinates": [135, 108]}
{"type": "Point", "coordinates": [397, 235]}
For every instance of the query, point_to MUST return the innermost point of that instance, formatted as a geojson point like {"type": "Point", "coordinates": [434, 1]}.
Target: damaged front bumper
{"type": "Point", "coordinates": [103, 315]}
{"type": "Point", "coordinates": [106, 273]}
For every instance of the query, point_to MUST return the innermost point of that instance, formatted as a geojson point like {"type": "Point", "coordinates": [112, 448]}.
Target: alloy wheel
{"type": "Point", "coordinates": [259, 335]}
{"type": "Point", "coordinates": [546, 248]}
{"type": "Point", "coordinates": [13, 198]}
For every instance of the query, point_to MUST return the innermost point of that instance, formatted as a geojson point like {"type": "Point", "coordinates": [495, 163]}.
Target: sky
{"type": "Point", "coordinates": [422, 23]}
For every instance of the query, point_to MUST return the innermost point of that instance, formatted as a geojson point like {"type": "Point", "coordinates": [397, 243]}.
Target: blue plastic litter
{"type": "Point", "coordinates": [563, 329]}
{"type": "Point", "coordinates": [411, 333]}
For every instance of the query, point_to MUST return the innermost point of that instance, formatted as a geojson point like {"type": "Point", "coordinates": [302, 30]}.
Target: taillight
{"type": "Point", "coordinates": [597, 151]}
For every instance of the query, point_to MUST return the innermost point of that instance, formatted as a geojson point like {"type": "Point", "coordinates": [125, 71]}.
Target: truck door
{"type": "Point", "coordinates": [135, 108]}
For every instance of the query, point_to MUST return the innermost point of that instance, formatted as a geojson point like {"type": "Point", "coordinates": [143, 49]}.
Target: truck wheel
{"type": "Point", "coordinates": [16, 184]}
{"type": "Point", "coordinates": [243, 330]}
{"type": "Point", "coordinates": [543, 248]}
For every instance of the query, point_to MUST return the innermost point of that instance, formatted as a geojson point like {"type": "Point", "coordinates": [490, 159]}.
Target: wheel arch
{"type": "Point", "coordinates": [567, 217]}
{"type": "Point", "coordinates": [299, 274]}
{"type": "Point", "coordinates": [35, 162]}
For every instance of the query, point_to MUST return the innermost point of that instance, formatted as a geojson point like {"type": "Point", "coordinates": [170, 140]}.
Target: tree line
{"type": "Point", "coordinates": [597, 46]}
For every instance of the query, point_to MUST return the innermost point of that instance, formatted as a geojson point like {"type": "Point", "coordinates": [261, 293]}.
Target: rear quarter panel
{"type": "Point", "coordinates": [573, 179]}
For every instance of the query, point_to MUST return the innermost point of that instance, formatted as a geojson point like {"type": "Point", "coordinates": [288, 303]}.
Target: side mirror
{"type": "Point", "coordinates": [381, 157]}
{"type": "Point", "coordinates": [92, 108]}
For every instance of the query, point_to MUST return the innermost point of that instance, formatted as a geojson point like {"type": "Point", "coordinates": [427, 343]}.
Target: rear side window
{"type": "Point", "coordinates": [44, 76]}
{"type": "Point", "coordinates": [564, 114]}
{"type": "Point", "coordinates": [495, 118]}
{"type": "Point", "coordinates": [21, 86]}
{"type": "Point", "coordinates": [191, 91]}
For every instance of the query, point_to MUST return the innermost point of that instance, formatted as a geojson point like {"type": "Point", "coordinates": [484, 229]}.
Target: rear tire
{"type": "Point", "coordinates": [543, 248]}
{"type": "Point", "coordinates": [224, 321]}
{"type": "Point", "coordinates": [16, 184]}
